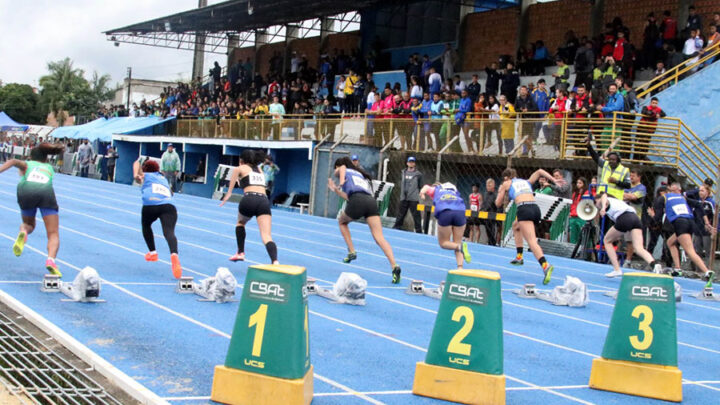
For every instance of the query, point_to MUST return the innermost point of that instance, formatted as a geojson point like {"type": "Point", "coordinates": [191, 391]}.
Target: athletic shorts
{"type": "Point", "coordinates": [451, 218]}
{"type": "Point", "coordinates": [254, 205]}
{"type": "Point", "coordinates": [683, 226]}
{"type": "Point", "coordinates": [29, 202]}
{"type": "Point", "coordinates": [43, 211]}
{"type": "Point", "coordinates": [628, 221]}
{"type": "Point", "coordinates": [529, 212]}
{"type": "Point", "coordinates": [151, 213]}
{"type": "Point", "coordinates": [361, 205]}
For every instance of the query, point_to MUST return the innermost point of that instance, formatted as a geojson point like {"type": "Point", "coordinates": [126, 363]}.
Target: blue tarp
{"type": "Point", "coordinates": [8, 124]}
{"type": "Point", "coordinates": [102, 129]}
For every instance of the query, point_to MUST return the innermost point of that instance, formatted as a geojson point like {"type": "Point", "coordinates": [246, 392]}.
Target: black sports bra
{"type": "Point", "coordinates": [254, 178]}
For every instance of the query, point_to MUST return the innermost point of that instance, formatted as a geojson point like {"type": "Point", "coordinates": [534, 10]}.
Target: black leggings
{"type": "Point", "coordinates": [168, 217]}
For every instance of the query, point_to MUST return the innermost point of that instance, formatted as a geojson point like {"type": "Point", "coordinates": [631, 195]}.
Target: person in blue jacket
{"type": "Point", "coordinates": [450, 214]}
{"type": "Point", "coordinates": [157, 198]}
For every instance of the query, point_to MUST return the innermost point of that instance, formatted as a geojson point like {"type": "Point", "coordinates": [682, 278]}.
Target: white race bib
{"type": "Point", "coordinates": [362, 183]}
{"type": "Point", "coordinates": [160, 189]}
{"type": "Point", "coordinates": [36, 176]}
{"type": "Point", "coordinates": [680, 209]}
{"type": "Point", "coordinates": [473, 207]}
{"type": "Point", "coordinates": [522, 187]}
{"type": "Point", "coordinates": [257, 179]}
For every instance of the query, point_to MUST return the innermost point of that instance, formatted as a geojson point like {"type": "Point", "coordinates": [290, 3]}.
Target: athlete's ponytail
{"type": "Point", "coordinates": [42, 151]}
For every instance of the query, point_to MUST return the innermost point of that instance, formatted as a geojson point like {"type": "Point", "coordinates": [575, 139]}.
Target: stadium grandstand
{"type": "Point", "coordinates": [484, 146]}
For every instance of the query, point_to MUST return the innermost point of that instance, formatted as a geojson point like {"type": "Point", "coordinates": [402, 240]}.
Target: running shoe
{"type": "Point", "coordinates": [710, 275]}
{"type": "Point", "coordinates": [176, 268]}
{"type": "Point", "coordinates": [350, 257]}
{"type": "Point", "coordinates": [676, 272]}
{"type": "Point", "coordinates": [396, 274]}
{"type": "Point", "coordinates": [52, 267]}
{"type": "Point", "coordinates": [19, 243]}
{"type": "Point", "coordinates": [466, 252]}
{"type": "Point", "coordinates": [548, 273]}
{"type": "Point", "coordinates": [614, 273]}
{"type": "Point", "coordinates": [657, 268]}
{"type": "Point", "coordinates": [151, 256]}
{"type": "Point", "coordinates": [517, 262]}
{"type": "Point", "coordinates": [238, 257]}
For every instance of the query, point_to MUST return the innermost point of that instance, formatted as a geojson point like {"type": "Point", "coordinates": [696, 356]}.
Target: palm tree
{"type": "Point", "coordinates": [64, 89]}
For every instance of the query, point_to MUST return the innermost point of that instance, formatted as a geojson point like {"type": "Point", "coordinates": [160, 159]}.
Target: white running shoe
{"type": "Point", "coordinates": [657, 269]}
{"type": "Point", "coordinates": [614, 273]}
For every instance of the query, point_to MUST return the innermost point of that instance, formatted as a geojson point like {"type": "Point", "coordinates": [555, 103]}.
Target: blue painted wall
{"type": "Point", "coordinates": [128, 152]}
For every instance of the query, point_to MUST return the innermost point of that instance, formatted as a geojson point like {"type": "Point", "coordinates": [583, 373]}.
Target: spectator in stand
{"type": "Point", "coordinates": [694, 21]}
{"type": "Point", "coordinates": [449, 58]}
{"type": "Point", "coordinates": [540, 58]}
{"type": "Point", "coordinates": [410, 195]}
{"type": "Point", "coordinates": [111, 156]}
{"type": "Point", "coordinates": [631, 100]}
{"type": "Point", "coordinates": [510, 82]}
{"type": "Point", "coordinates": [277, 111]}
{"type": "Point", "coordinates": [584, 62]}
{"type": "Point", "coordinates": [525, 104]}
{"type": "Point", "coordinates": [559, 109]}
{"type": "Point", "coordinates": [416, 90]}
{"type": "Point", "coordinates": [425, 70]}
{"type": "Point", "coordinates": [351, 84]}
{"type": "Point", "coordinates": [405, 129]}
{"type": "Point", "coordinates": [668, 28]}
{"type": "Point", "coordinates": [692, 48]}
{"type": "Point", "coordinates": [476, 200]}
{"type": "Point", "coordinates": [651, 42]}
{"type": "Point", "coordinates": [170, 166]}
{"type": "Point", "coordinates": [492, 81]}
{"type": "Point", "coordinates": [494, 124]}
{"type": "Point", "coordinates": [648, 122]}
{"type": "Point", "coordinates": [86, 156]}
{"type": "Point", "coordinates": [507, 118]}
{"type": "Point", "coordinates": [488, 205]}
{"type": "Point", "coordinates": [541, 98]}
{"type": "Point", "coordinates": [568, 49]}
{"type": "Point", "coordinates": [464, 109]}
{"type": "Point", "coordinates": [474, 88]}
{"type": "Point", "coordinates": [436, 108]}
{"type": "Point", "coordinates": [576, 223]}
{"type": "Point", "coordinates": [340, 93]}
{"type": "Point", "coordinates": [562, 75]}
{"type": "Point", "coordinates": [458, 84]}
{"type": "Point", "coordinates": [425, 131]}
{"type": "Point", "coordinates": [712, 39]}
{"type": "Point", "coordinates": [434, 82]}
{"type": "Point", "coordinates": [635, 197]}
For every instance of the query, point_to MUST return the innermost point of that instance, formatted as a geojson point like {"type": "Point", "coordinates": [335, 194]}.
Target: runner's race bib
{"type": "Point", "coordinates": [160, 189]}
{"type": "Point", "coordinates": [36, 176]}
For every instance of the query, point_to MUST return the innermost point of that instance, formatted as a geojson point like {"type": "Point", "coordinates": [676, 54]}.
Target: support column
{"type": "Point", "coordinates": [326, 28]}
{"type": "Point", "coordinates": [597, 19]}
{"type": "Point", "coordinates": [683, 14]}
{"type": "Point", "coordinates": [460, 34]}
{"type": "Point", "coordinates": [261, 38]}
{"type": "Point", "coordinates": [523, 23]}
{"type": "Point", "coordinates": [199, 54]}
{"type": "Point", "coordinates": [291, 33]}
{"type": "Point", "coordinates": [233, 43]}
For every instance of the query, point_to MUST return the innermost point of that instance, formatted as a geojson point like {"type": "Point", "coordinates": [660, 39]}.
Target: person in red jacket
{"type": "Point", "coordinates": [403, 110]}
{"type": "Point", "coordinates": [650, 116]}
{"type": "Point", "coordinates": [668, 27]}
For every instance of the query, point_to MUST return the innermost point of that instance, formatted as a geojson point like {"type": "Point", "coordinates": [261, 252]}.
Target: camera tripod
{"type": "Point", "coordinates": [585, 247]}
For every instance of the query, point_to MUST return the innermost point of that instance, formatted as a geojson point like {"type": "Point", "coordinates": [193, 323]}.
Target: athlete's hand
{"type": "Point", "coordinates": [651, 211]}
{"type": "Point", "coordinates": [224, 200]}
{"type": "Point", "coordinates": [138, 178]}
{"type": "Point", "coordinates": [602, 213]}
{"type": "Point", "coordinates": [331, 185]}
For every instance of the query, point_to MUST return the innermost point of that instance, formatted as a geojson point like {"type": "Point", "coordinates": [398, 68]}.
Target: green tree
{"type": "Point", "coordinates": [66, 91]}
{"type": "Point", "coordinates": [21, 103]}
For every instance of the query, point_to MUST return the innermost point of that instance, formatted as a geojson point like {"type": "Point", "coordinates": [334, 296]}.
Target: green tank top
{"type": "Point", "coordinates": [38, 176]}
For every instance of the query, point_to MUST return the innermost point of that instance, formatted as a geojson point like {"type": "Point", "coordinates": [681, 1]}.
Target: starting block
{"type": "Point", "coordinates": [707, 295]}
{"type": "Point", "coordinates": [85, 287]}
{"type": "Point", "coordinates": [219, 288]}
{"type": "Point", "coordinates": [349, 289]}
{"type": "Point", "coordinates": [529, 291]}
{"type": "Point", "coordinates": [417, 287]}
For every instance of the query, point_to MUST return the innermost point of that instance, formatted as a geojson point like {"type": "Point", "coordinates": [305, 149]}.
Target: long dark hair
{"type": "Point", "coordinates": [585, 185]}
{"type": "Point", "coordinates": [252, 157]}
{"type": "Point", "coordinates": [345, 161]}
{"type": "Point", "coordinates": [42, 151]}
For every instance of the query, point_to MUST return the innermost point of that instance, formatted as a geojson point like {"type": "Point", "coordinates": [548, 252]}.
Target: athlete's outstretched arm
{"type": "Point", "coordinates": [233, 181]}
{"type": "Point", "coordinates": [137, 172]}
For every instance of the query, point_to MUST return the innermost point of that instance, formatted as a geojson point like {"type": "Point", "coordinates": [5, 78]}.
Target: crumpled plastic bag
{"type": "Point", "coordinates": [573, 293]}
{"type": "Point", "coordinates": [220, 287]}
{"type": "Point", "coordinates": [350, 289]}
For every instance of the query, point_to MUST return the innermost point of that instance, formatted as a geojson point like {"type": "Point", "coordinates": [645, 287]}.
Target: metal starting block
{"type": "Point", "coordinates": [707, 295]}
{"type": "Point", "coordinates": [314, 289]}
{"type": "Point", "coordinates": [529, 291]}
{"type": "Point", "coordinates": [85, 287]}
{"type": "Point", "coordinates": [417, 287]}
{"type": "Point", "coordinates": [219, 288]}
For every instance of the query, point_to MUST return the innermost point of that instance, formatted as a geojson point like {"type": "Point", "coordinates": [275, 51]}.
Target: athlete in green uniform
{"type": "Point", "coordinates": [35, 191]}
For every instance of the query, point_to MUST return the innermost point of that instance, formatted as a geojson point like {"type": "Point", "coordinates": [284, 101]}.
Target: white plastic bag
{"type": "Point", "coordinates": [350, 289]}
{"type": "Point", "coordinates": [573, 293]}
{"type": "Point", "coordinates": [220, 287]}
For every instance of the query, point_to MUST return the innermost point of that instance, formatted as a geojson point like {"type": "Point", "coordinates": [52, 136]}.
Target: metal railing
{"type": "Point", "coordinates": [673, 75]}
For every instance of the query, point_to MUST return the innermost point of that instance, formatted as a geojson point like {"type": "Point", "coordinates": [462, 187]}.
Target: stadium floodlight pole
{"type": "Point", "coordinates": [129, 79]}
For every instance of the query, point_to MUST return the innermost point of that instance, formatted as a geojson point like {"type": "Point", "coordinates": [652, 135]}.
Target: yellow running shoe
{"type": "Point", "coordinates": [19, 243]}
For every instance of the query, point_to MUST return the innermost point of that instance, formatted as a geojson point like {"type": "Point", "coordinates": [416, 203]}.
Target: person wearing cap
{"type": "Point", "coordinates": [410, 195]}
{"type": "Point", "coordinates": [355, 160]}
{"type": "Point", "coordinates": [170, 166]}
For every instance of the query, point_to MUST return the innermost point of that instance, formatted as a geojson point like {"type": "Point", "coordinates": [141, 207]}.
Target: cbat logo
{"type": "Point", "coordinates": [261, 288]}
{"type": "Point", "coordinates": [655, 293]}
{"type": "Point", "coordinates": [254, 363]}
{"type": "Point", "coordinates": [464, 292]}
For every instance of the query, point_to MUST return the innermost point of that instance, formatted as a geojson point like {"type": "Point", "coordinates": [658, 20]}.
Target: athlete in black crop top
{"type": "Point", "coordinates": [253, 204]}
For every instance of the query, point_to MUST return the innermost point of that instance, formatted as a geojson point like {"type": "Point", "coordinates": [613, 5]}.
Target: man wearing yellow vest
{"type": "Point", "coordinates": [613, 175]}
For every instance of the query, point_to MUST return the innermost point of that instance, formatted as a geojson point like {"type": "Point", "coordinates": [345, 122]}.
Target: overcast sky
{"type": "Point", "coordinates": [34, 32]}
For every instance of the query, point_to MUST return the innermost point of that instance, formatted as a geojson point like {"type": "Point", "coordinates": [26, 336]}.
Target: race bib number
{"type": "Point", "coordinates": [37, 177]}
{"type": "Point", "coordinates": [473, 207]}
{"type": "Point", "coordinates": [362, 183]}
{"type": "Point", "coordinates": [681, 209]}
{"type": "Point", "coordinates": [257, 179]}
{"type": "Point", "coordinates": [160, 189]}
{"type": "Point", "coordinates": [522, 188]}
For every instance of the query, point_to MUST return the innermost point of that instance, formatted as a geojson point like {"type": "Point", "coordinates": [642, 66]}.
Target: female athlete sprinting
{"type": "Point", "coordinates": [255, 203]}
{"type": "Point", "coordinates": [528, 215]}
{"type": "Point", "coordinates": [35, 191]}
{"type": "Point", "coordinates": [157, 204]}
{"type": "Point", "coordinates": [355, 187]}
{"type": "Point", "coordinates": [450, 215]}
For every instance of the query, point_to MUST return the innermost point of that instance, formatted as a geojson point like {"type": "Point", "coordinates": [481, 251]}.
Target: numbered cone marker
{"type": "Point", "coordinates": [268, 361]}
{"type": "Point", "coordinates": [464, 361]}
{"type": "Point", "coordinates": [640, 352]}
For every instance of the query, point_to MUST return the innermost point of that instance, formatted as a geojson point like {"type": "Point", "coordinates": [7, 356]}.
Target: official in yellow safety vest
{"type": "Point", "coordinates": [614, 177]}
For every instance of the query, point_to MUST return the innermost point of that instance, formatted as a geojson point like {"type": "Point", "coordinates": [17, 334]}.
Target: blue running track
{"type": "Point", "coordinates": [170, 342]}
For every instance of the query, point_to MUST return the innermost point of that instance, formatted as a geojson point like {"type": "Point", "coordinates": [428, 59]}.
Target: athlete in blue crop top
{"type": "Point", "coordinates": [528, 215]}
{"type": "Point", "coordinates": [356, 188]}
{"type": "Point", "coordinates": [680, 216]}
{"type": "Point", "coordinates": [157, 204]}
{"type": "Point", "coordinates": [450, 215]}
